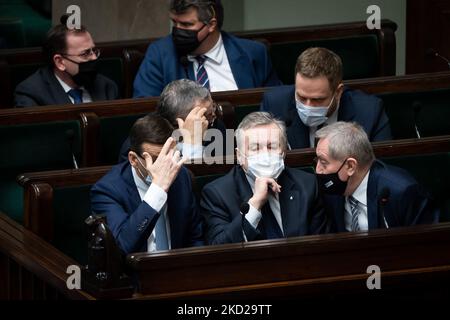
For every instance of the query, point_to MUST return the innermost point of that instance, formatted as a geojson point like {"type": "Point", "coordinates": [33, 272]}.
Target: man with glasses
{"type": "Point", "coordinates": [70, 75]}
{"type": "Point", "coordinates": [319, 98]}
{"type": "Point", "coordinates": [148, 200]}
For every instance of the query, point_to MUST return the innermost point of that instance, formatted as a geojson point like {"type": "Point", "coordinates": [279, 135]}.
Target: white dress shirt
{"type": "Point", "coordinates": [156, 198]}
{"type": "Point", "coordinates": [312, 130]}
{"type": "Point", "coordinates": [359, 194]}
{"type": "Point", "coordinates": [86, 96]}
{"type": "Point", "coordinates": [254, 215]}
{"type": "Point", "coordinates": [218, 68]}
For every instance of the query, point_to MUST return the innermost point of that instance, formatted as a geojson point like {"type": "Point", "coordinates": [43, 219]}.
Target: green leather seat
{"type": "Point", "coordinates": [29, 148]}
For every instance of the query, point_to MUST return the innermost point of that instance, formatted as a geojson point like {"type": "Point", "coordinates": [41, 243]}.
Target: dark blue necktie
{"type": "Point", "coordinates": [202, 75]}
{"type": "Point", "coordinates": [271, 229]}
{"type": "Point", "coordinates": [77, 95]}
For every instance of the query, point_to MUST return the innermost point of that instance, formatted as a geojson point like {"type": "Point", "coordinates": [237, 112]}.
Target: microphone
{"type": "Point", "coordinates": [185, 63]}
{"type": "Point", "coordinates": [383, 200]}
{"type": "Point", "coordinates": [417, 107]}
{"type": "Point", "coordinates": [434, 53]}
{"type": "Point", "coordinates": [70, 136]}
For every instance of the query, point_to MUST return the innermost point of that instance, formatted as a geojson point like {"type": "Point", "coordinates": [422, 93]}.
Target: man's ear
{"type": "Point", "coordinates": [132, 158]}
{"type": "Point", "coordinates": [351, 166]}
{"type": "Point", "coordinates": [59, 62]}
{"type": "Point", "coordinates": [212, 25]}
{"type": "Point", "coordinates": [339, 91]}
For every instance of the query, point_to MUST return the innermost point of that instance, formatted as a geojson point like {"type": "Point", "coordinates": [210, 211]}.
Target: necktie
{"type": "Point", "coordinates": [161, 232]}
{"type": "Point", "coordinates": [354, 208]}
{"type": "Point", "coordinates": [269, 223]}
{"type": "Point", "coordinates": [77, 95]}
{"type": "Point", "coordinates": [202, 75]}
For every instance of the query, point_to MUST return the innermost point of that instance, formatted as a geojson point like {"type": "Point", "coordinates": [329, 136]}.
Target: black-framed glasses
{"type": "Point", "coordinates": [86, 53]}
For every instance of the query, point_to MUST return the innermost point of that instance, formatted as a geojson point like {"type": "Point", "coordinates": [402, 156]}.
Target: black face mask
{"type": "Point", "coordinates": [87, 73]}
{"type": "Point", "coordinates": [186, 41]}
{"type": "Point", "coordinates": [331, 183]}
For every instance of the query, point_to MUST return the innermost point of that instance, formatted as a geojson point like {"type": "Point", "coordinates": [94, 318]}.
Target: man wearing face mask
{"type": "Point", "coordinates": [261, 198]}
{"type": "Point", "coordinates": [363, 193]}
{"type": "Point", "coordinates": [319, 98]}
{"type": "Point", "coordinates": [71, 72]}
{"type": "Point", "coordinates": [198, 50]}
{"type": "Point", "coordinates": [148, 200]}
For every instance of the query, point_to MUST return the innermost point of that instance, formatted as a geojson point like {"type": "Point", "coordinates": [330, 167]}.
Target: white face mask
{"type": "Point", "coordinates": [147, 178]}
{"type": "Point", "coordinates": [312, 116]}
{"type": "Point", "coordinates": [265, 165]}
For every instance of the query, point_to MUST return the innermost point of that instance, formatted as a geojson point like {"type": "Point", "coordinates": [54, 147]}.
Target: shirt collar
{"type": "Point", "coordinates": [360, 193]}
{"type": "Point", "coordinates": [333, 118]}
{"type": "Point", "coordinates": [141, 185]}
{"type": "Point", "coordinates": [65, 86]}
{"type": "Point", "coordinates": [216, 54]}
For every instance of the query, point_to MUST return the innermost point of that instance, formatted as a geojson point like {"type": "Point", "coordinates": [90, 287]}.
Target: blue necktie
{"type": "Point", "coordinates": [355, 213]}
{"type": "Point", "coordinates": [77, 95]}
{"type": "Point", "coordinates": [202, 75]}
{"type": "Point", "coordinates": [161, 232]}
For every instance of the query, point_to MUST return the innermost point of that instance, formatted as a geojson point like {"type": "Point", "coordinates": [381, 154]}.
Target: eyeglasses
{"type": "Point", "coordinates": [86, 54]}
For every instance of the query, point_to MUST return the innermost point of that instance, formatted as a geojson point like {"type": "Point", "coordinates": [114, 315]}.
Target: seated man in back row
{"type": "Point", "coordinates": [261, 198]}
{"type": "Point", "coordinates": [198, 50]}
{"type": "Point", "coordinates": [148, 201]}
{"type": "Point", "coordinates": [363, 193]}
{"type": "Point", "coordinates": [319, 98]}
{"type": "Point", "coordinates": [70, 75]}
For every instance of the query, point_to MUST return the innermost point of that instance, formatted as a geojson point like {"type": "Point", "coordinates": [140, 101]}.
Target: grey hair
{"type": "Point", "coordinates": [257, 119]}
{"type": "Point", "coordinates": [178, 99]}
{"type": "Point", "coordinates": [347, 139]}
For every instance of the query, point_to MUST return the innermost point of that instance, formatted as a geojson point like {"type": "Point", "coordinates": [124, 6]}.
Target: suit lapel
{"type": "Point", "coordinates": [346, 112]}
{"type": "Point", "coordinates": [372, 198]}
{"type": "Point", "coordinates": [243, 75]}
{"type": "Point", "coordinates": [337, 208]}
{"type": "Point", "coordinates": [289, 206]}
{"type": "Point", "coordinates": [133, 193]}
{"type": "Point", "coordinates": [243, 187]}
{"type": "Point", "coordinates": [55, 88]}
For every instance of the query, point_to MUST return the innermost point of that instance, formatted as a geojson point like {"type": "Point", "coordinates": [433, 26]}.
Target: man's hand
{"type": "Point", "coordinates": [262, 189]}
{"type": "Point", "coordinates": [194, 127]}
{"type": "Point", "coordinates": [166, 167]}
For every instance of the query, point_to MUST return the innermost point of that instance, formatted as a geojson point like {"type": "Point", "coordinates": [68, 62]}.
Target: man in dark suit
{"type": "Point", "coordinates": [148, 201]}
{"type": "Point", "coordinates": [70, 75]}
{"type": "Point", "coordinates": [261, 198]}
{"type": "Point", "coordinates": [198, 50]}
{"type": "Point", "coordinates": [319, 98]}
{"type": "Point", "coordinates": [363, 193]}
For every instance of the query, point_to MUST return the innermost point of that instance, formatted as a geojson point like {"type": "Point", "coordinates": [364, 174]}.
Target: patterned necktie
{"type": "Point", "coordinates": [354, 208]}
{"type": "Point", "coordinates": [161, 232]}
{"type": "Point", "coordinates": [202, 75]}
{"type": "Point", "coordinates": [77, 95]}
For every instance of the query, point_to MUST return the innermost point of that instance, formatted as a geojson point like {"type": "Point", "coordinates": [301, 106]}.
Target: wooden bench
{"type": "Point", "coordinates": [57, 202]}
{"type": "Point", "coordinates": [366, 53]}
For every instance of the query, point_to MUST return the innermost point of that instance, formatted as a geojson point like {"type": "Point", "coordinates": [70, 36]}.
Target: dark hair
{"type": "Point", "coordinates": [55, 42]}
{"type": "Point", "coordinates": [150, 129]}
{"type": "Point", "coordinates": [207, 9]}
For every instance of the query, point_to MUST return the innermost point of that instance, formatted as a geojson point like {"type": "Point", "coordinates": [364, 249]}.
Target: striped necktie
{"type": "Point", "coordinates": [354, 208]}
{"type": "Point", "coordinates": [202, 75]}
{"type": "Point", "coordinates": [161, 239]}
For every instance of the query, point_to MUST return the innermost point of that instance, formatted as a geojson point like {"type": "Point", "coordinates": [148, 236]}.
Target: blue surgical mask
{"type": "Point", "coordinates": [313, 116]}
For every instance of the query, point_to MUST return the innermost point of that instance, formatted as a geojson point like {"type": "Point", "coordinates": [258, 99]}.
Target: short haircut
{"type": "Point", "coordinates": [178, 99]}
{"type": "Point", "coordinates": [207, 9]}
{"type": "Point", "coordinates": [56, 39]}
{"type": "Point", "coordinates": [152, 129]}
{"type": "Point", "coordinates": [318, 62]}
{"type": "Point", "coordinates": [347, 139]}
{"type": "Point", "coordinates": [257, 119]}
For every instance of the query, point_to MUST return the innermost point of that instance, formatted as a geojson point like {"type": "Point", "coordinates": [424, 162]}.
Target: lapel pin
{"type": "Point", "coordinates": [291, 198]}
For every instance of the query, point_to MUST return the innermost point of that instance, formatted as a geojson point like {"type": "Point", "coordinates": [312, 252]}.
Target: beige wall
{"type": "Point", "coordinates": [111, 20]}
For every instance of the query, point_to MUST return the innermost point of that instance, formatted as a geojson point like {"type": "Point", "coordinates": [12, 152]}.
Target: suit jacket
{"type": "Point", "coordinates": [249, 62]}
{"type": "Point", "coordinates": [132, 220]}
{"type": "Point", "coordinates": [355, 106]}
{"type": "Point", "coordinates": [302, 209]}
{"type": "Point", "coordinates": [43, 89]}
{"type": "Point", "coordinates": [407, 205]}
